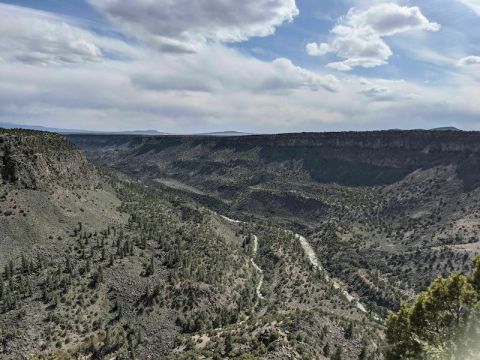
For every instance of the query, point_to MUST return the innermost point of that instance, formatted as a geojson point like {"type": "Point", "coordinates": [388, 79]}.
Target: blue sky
{"type": "Point", "coordinates": [255, 65]}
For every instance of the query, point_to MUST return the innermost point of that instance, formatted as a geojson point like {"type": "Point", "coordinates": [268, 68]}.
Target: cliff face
{"type": "Point", "coordinates": [36, 160]}
{"type": "Point", "coordinates": [355, 159]}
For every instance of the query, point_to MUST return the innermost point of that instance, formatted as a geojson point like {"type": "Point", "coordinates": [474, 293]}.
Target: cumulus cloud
{"type": "Point", "coordinates": [104, 96]}
{"type": "Point", "coordinates": [358, 38]}
{"type": "Point", "coordinates": [36, 37]}
{"type": "Point", "coordinates": [469, 61]}
{"type": "Point", "coordinates": [201, 72]}
{"type": "Point", "coordinates": [111, 94]}
{"type": "Point", "coordinates": [186, 25]}
{"type": "Point", "coordinates": [160, 90]}
{"type": "Point", "coordinates": [287, 75]}
{"type": "Point", "coordinates": [389, 90]}
{"type": "Point", "coordinates": [472, 4]}
{"type": "Point", "coordinates": [378, 93]}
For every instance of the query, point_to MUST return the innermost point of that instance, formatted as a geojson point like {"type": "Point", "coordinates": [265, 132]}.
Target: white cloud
{"type": "Point", "coordinates": [472, 4]}
{"type": "Point", "coordinates": [202, 72]}
{"type": "Point", "coordinates": [288, 75]}
{"type": "Point", "coordinates": [390, 19]}
{"type": "Point", "coordinates": [314, 49]}
{"type": "Point", "coordinates": [469, 61]}
{"type": "Point", "coordinates": [241, 93]}
{"type": "Point", "coordinates": [160, 90]}
{"type": "Point", "coordinates": [377, 92]}
{"type": "Point", "coordinates": [186, 25]}
{"type": "Point", "coordinates": [37, 37]}
{"type": "Point", "coordinates": [358, 37]}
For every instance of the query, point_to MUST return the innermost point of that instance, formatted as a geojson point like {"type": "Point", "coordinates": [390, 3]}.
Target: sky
{"type": "Point", "coordinates": [259, 66]}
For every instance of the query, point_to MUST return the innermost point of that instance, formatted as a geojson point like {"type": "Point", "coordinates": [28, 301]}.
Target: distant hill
{"type": "Point", "coordinates": [80, 131]}
{"type": "Point", "coordinates": [443, 128]}
{"type": "Point", "coordinates": [446, 128]}
{"type": "Point", "coordinates": [226, 133]}
{"type": "Point", "coordinates": [132, 132]}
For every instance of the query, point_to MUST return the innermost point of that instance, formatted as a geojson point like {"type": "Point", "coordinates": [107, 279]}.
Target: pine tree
{"type": "Point", "coordinates": [349, 331]}
{"type": "Point", "coordinates": [156, 291]}
{"type": "Point", "coordinates": [119, 311]}
{"type": "Point", "coordinates": [228, 344]}
{"type": "Point", "coordinates": [363, 354]}
{"type": "Point", "coordinates": [97, 277]}
{"type": "Point", "coordinates": [25, 265]}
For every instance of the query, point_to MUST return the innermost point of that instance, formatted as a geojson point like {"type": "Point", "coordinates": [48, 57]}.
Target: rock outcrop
{"type": "Point", "coordinates": [34, 160]}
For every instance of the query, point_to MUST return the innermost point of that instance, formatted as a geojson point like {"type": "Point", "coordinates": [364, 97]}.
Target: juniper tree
{"type": "Point", "coordinates": [338, 355]}
{"type": "Point", "coordinates": [326, 350]}
{"type": "Point", "coordinates": [150, 268]}
{"type": "Point", "coordinates": [363, 353]}
{"type": "Point", "coordinates": [440, 320]}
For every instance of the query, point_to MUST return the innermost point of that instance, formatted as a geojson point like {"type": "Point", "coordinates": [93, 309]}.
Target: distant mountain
{"type": "Point", "coordinates": [139, 132]}
{"type": "Point", "coordinates": [79, 131]}
{"type": "Point", "coordinates": [226, 133]}
{"type": "Point", "coordinates": [92, 132]}
{"type": "Point", "coordinates": [446, 128]}
{"type": "Point", "coordinates": [443, 128]}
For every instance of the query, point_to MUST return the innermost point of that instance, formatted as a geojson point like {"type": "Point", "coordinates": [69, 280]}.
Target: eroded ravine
{"type": "Point", "coordinates": [259, 270]}
{"type": "Point", "coordinates": [312, 258]}
{"type": "Point", "coordinates": [252, 260]}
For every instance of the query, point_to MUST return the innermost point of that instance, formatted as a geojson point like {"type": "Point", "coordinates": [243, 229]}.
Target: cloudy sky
{"type": "Point", "coordinates": [251, 65]}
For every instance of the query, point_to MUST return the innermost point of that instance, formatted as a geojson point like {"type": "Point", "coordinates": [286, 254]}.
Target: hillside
{"type": "Point", "coordinates": [386, 212]}
{"type": "Point", "coordinates": [98, 264]}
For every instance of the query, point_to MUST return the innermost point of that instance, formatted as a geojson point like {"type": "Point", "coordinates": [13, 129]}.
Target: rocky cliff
{"type": "Point", "coordinates": [350, 158]}
{"type": "Point", "coordinates": [34, 160]}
